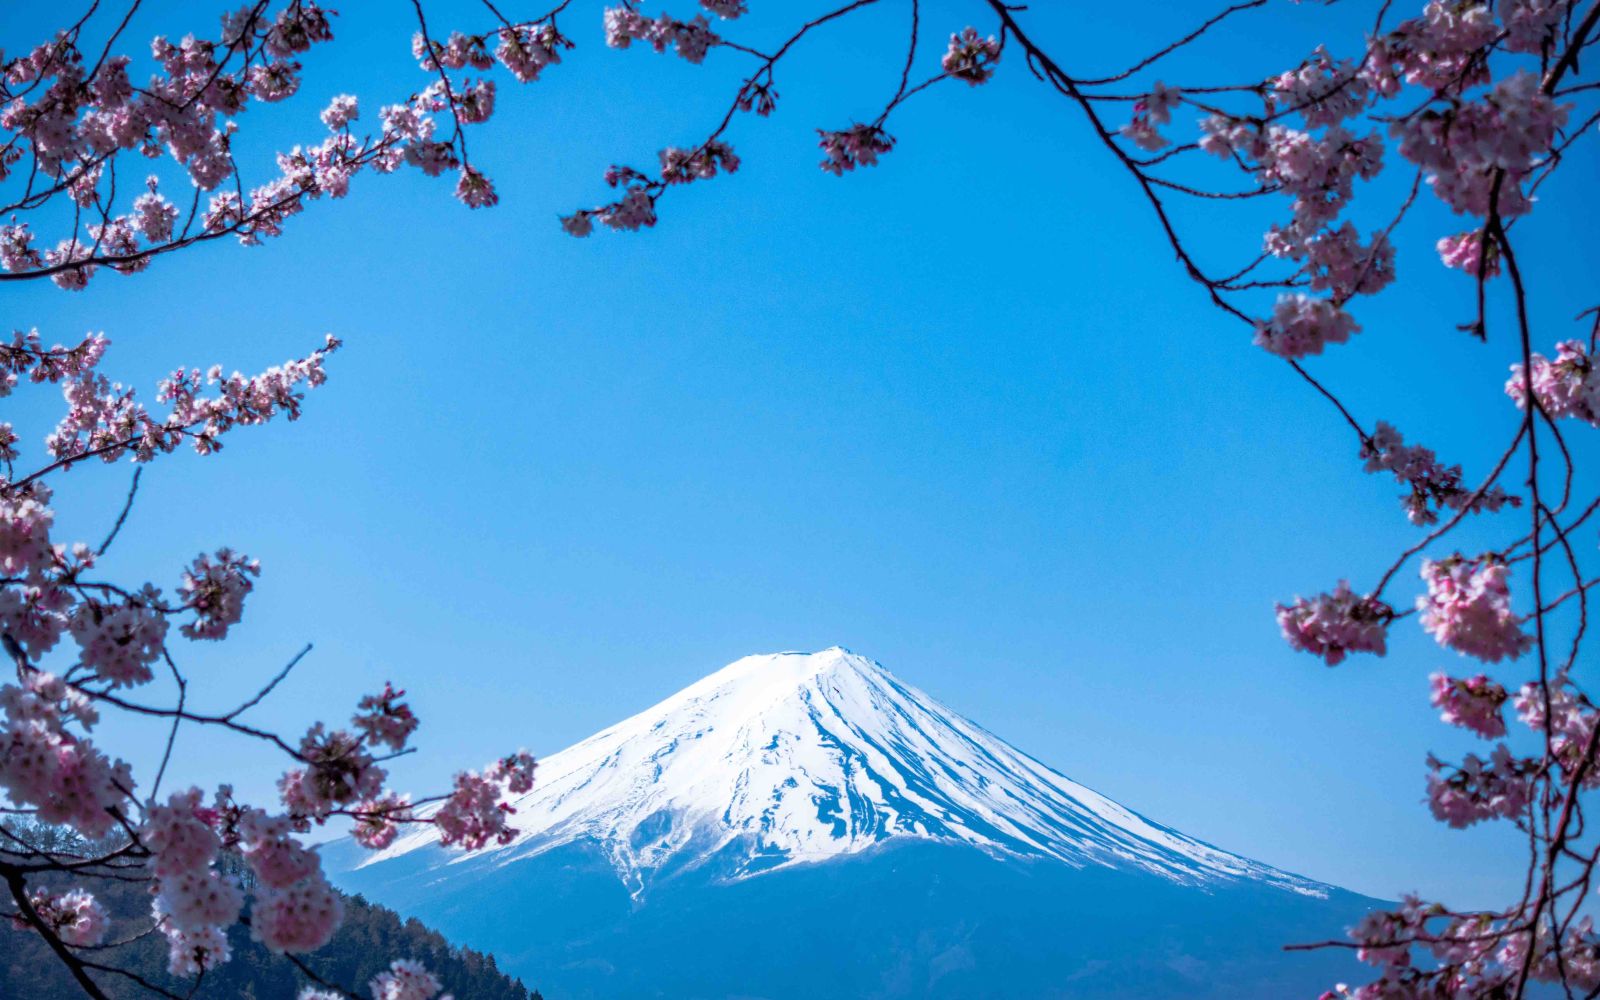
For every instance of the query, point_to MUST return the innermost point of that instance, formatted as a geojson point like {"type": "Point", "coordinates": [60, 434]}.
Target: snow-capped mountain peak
{"type": "Point", "coordinates": [792, 758]}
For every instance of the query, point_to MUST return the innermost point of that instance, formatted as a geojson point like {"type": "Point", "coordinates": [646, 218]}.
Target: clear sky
{"type": "Point", "coordinates": [961, 413]}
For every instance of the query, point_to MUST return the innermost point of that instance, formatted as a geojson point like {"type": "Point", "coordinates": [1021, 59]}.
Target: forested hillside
{"type": "Point", "coordinates": [370, 937]}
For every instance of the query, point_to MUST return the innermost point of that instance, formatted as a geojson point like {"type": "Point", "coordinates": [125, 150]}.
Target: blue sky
{"type": "Point", "coordinates": [961, 413]}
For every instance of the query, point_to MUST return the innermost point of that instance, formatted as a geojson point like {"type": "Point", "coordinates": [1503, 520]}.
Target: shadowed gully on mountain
{"type": "Point", "coordinates": [797, 825]}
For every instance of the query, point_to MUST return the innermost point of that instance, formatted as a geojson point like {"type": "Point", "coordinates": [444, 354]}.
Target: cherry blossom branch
{"type": "Point", "coordinates": [127, 505]}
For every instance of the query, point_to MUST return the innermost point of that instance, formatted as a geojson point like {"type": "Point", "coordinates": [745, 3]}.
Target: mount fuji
{"type": "Point", "coordinates": [807, 825]}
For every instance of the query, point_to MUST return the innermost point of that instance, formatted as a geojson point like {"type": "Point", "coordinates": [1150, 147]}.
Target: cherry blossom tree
{"type": "Point", "coordinates": [72, 120]}
{"type": "Point", "coordinates": [1475, 103]}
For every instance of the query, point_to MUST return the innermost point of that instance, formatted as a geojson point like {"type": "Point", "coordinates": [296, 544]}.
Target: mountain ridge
{"type": "Point", "coordinates": [807, 824]}
{"type": "Point", "coordinates": [791, 758]}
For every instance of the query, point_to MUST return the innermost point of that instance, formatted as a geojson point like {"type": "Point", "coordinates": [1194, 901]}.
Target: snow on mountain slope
{"type": "Point", "coordinates": [784, 759]}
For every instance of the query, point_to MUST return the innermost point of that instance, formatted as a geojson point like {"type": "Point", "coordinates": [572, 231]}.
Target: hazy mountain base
{"type": "Point", "coordinates": [918, 920]}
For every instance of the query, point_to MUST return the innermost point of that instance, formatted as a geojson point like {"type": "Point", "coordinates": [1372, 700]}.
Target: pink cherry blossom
{"type": "Point", "coordinates": [473, 815]}
{"type": "Point", "coordinates": [383, 718]}
{"type": "Point", "coordinates": [516, 771]}
{"type": "Point", "coordinates": [635, 210]}
{"type": "Point", "coordinates": [1321, 90]}
{"type": "Point", "coordinates": [475, 190]}
{"type": "Point", "coordinates": [970, 56]}
{"type": "Point", "coordinates": [195, 901]}
{"type": "Point", "coordinates": [1142, 133]}
{"type": "Point", "coordinates": [1334, 625]}
{"type": "Point", "coordinates": [1569, 718]}
{"type": "Point", "coordinates": [1462, 147]}
{"type": "Point", "coordinates": [1302, 325]}
{"type": "Point", "coordinates": [24, 536]}
{"type": "Point", "coordinates": [63, 776]}
{"type": "Point", "coordinates": [377, 820]}
{"type": "Point", "coordinates": [1384, 936]}
{"type": "Point", "coordinates": [299, 918]}
{"type": "Point", "coordinates": [189, 953]}
{"type": "Point", "coordinates": [856, 146]}
{"type": "Point", "coordinates": [691, 39]}
{"type": "Point", "coordinates": [1473, 703]}
{"type": "Point", "coordinates": [1567, 386]}
{"type": "Point", "coordinates": [1436, 50]}
{"type": "Point", "coordinates": [1532, 25]}
{"type": "Point", "coordinates": [679, 166]}
{"type": "Point", "coordinates": [119, 642]}
{"type": "Point", "coordinates": [405, 980]}
{"type": "Point", "coordinates": [34, 616]}
{"type": "Point", "coordinates": [339, 771]}
{"type": "Point", "coordinates": [340, 112]}
{"type": "Point", "coordinates": [1479, 790]}
{"type": "Point", "coordinates": [1468, 608]}
{"type": "Point", "coordinates": [580, 223]}
{"type": "Point", "coordinates": [526, 52]}
{"type": "Point", "coordinates": [1335, 259]}
{"type": "Point", "coordinates": [180, 834]}
{"type": "Point", "coordinates": [1158, 104]}
{"type": "Point", "coordinates": [215, 590]}
{"type": "Point", "coordinates": [1223, 136]}
{"type": "Point", "coordinates": [1434, 486]}
{"type": "Point", "coordinates": [274, 855]}
{"type": "Point", "coordinates": [75, 916]}
{"type": "Point", "coordinates": [1318, 171]}
{"type": "Point", "coordinates": [1466, 251]}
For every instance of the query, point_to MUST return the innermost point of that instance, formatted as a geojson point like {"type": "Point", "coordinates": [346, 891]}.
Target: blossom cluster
{"type": "Point", "coordinates": [635, 209]}
{"type": "Point", "coordinates": [1323, 90]}
{"type": "Point", "coordinates": [473, 814]}
{"type": "Point", "coordinates": [1434, 486]}
{"type": "Point", "coordinates": [971, 56]}
{"type": "Point", "coordinates": [1302, 325]}
{"type": "Point", "coordinates": [680, 166]}
{"type": "Point", "coordinates": [51, 765]}
{"type": "Point", "coordinates": [48, 762]}
{"type": "Point", "coordinates": [1471, 253]}
{"type": "Point", "coordinates": [75, 121]}
{"type": "Point", "coordinates": [195, 903]}
{"type": "Point", "coordinates": [119, 642]}
{"type": "Point", "coordinates": [339, 771]}
{"type": "Point", "coordinates": [1149, 113]}
{"type": "Point", "coordinates": [1468, 954]}
{"type": "Point", "coordinates": [1336, 261]}
{"type": "Point", "coordinates": [1565, 386]}
{"type": "Point", "coordinates": [74, 916]}
{"type": "Point", "coordinates": [1334, 625]}
{"type": "Point", "coordinates": [405, 980]}
{"type": "Point", "coordinates": [1476, 790]}
{"type": "Point", "coordinates": [525, 50]}
{"type": "Point", "coordinates": [1477, 154]}
{"type": "Point", "coordinates": [377, 820]}
{"type": "Point", "coordinates": [1472, 703]}
{"type": "Point", "coordinates": [1473, 146]}
{"type": "Point", "coordinates": [1569, 719]}
{"type": "Point", "coordinates": [119, 633]}
{"type": "Point", "coordinates": [104, 420]}
{"type": "Point", "coordinates": [856, 146]}
{"type": "Point", "coordinates": [1468, 608]}
{"type": "Point", "coordinates": [384, 718]}
{"type": "Point", "coordinates": [691, 39]}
